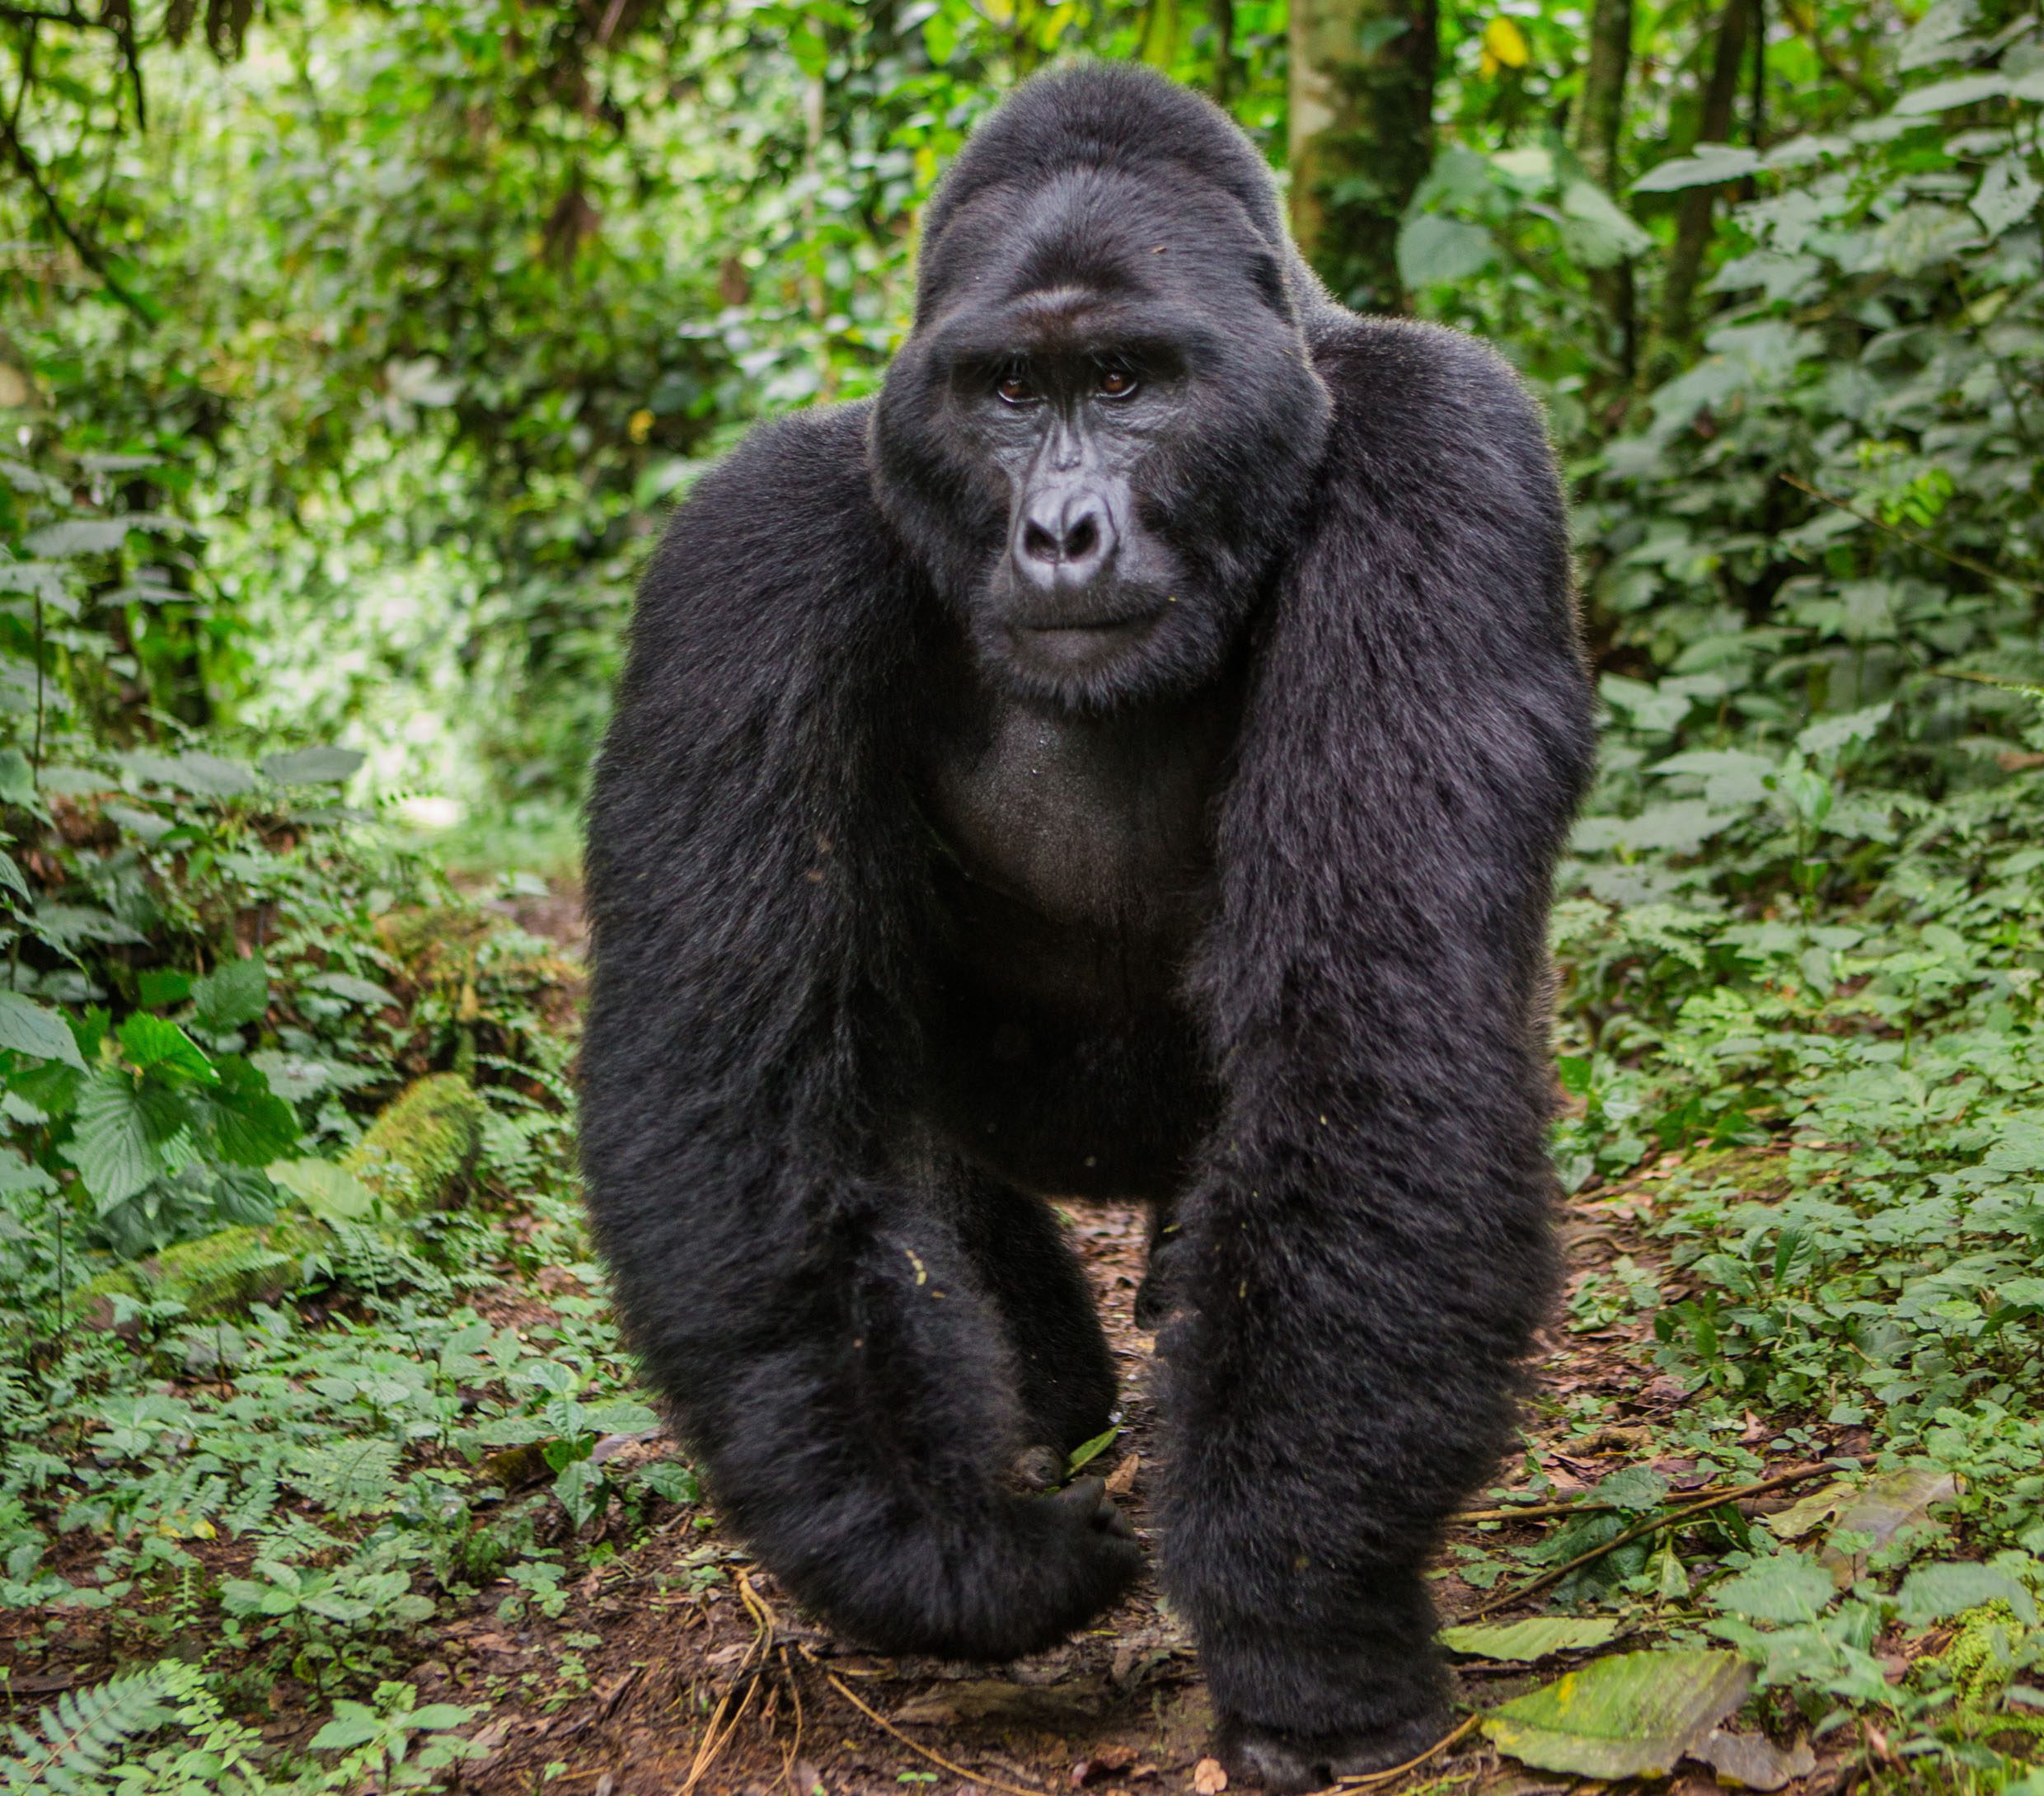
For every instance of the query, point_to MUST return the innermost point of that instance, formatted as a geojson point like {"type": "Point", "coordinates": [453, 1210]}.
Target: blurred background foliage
{"type": "Point", "coordinates": [390, 332]}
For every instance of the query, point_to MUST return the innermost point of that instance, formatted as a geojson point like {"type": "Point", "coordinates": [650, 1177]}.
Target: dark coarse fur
{"type": "Point", "coordinates": [870, 979]}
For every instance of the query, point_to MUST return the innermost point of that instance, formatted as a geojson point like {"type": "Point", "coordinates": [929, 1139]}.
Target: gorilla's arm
{"type": "Point", "coordinates": [755, 891]}
{"type": "Point", "coordinates": [1363, 1255]}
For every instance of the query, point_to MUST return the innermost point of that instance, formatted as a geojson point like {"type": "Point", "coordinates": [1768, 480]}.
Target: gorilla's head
{"type": "Point", "coordinates": [1105, 421]}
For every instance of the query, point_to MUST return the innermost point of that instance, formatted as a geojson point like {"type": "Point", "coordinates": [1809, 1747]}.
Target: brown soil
{"type": "Point", "coordinates": [733, 1689]}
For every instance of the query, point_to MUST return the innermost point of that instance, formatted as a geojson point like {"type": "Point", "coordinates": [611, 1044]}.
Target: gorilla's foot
{"type": "Point", "coordinates": [1289, 1764]}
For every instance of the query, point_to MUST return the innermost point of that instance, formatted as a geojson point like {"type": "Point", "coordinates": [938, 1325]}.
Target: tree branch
{"type": "Point", "coordinates": [88, 252]}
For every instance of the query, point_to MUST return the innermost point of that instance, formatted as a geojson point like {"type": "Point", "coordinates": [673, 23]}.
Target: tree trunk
{"type": "Point", "coordinates": [1692, 221]}
{"type": "Point", "coordinates": [1222, 13]}
{"type": "Point", "coordinates": [1362, 79]}
{"type": "Point", "coordinates": [1597, 128]}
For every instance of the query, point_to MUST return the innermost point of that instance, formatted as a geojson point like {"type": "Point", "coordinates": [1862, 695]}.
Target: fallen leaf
{"type": "Point", "coordinates": [1882, 1507]}
{"type": "Point", "coordinates": [1208, 1779]}
{"type": "Point", "coordinates": [1632, 1715]}
{"type": "Point", "coordinates": [1123, 1478]}
{"type": "Point", "coordinates": [1749, 1762]}
{"type": "Point", "coordinates": [1522, 1641]}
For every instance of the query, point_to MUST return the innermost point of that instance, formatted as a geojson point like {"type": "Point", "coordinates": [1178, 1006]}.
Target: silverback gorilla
{"type": "Point", "coordinates": [1125, 760]}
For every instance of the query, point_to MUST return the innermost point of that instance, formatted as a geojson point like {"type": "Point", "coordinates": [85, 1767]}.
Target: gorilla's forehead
{"type": "Point", "coordinates": [1098, 243]}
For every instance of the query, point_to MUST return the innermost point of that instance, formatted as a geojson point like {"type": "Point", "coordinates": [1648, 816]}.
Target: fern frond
{"type": "Point", "coordinates": [82, 1731]}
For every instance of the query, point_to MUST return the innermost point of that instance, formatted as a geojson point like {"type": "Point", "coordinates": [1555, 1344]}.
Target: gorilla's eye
{"type": "Point", "coordinates": [1115, 383]}
{"type": "Point", "coordinates": [1015, 389]}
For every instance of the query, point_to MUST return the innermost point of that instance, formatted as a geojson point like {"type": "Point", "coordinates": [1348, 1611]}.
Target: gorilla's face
{"type": "Point", "coordinates": [1103, 427]}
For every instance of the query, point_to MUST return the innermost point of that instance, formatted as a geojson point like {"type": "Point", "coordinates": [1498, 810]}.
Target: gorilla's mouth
{"type": "Point", "coordinates": [1086, 640]}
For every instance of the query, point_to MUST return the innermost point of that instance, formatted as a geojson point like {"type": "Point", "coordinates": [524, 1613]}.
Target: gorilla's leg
{"type": "Point", "coordinates": [1154, 1297]}
{"type": "Point", "coordinates": [1065, 1372]}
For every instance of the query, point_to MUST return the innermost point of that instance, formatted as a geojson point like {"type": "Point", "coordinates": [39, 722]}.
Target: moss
{"type": "Point", "coordinates": [416, 1156]}
{"type": "Point", "coordinates": [217, 1273]}
{"type": "Point", "coordinates": [422, 1147]}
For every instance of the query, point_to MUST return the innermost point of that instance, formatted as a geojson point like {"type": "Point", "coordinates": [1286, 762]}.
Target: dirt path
{"type": "Point", "coordinates": [685, 1661]}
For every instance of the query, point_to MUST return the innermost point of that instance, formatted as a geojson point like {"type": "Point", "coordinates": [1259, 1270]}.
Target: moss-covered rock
{"type": "Point", "coordinates": [416, 1156]}
{"type": "Point", "coordinates": [420, 1151]}
{"type": "Point", "coordinates": [218, 1273]}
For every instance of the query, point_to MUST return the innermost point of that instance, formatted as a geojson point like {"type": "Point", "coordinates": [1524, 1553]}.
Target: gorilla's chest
{"type": "Point", "coordinates": [1077, 852]}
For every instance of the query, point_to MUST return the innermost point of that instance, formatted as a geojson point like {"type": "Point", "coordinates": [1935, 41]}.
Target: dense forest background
{"type": "Point", "coordinates": [350, 356]}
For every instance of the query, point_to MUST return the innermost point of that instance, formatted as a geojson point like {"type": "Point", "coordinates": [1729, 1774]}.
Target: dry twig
{"type": "Point", "coordinates": [1688, 1511]}
{"type": "Point", "coordinates": [881, 1721]}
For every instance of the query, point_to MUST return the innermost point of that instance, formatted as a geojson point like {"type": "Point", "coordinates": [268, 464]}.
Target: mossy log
{"type": "Point", "coordinates": [415, 1157]}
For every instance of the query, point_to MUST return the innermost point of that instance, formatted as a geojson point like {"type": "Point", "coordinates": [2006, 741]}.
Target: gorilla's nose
{"type": "Point", "coordinates": [1067, 537]}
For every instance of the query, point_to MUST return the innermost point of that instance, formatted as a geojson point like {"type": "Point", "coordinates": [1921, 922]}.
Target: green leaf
{"type": "Point", "coordinates": [1712, 165]}
{"type": "Point", "coordinates": [77, 535]}
{"type": "Point", "coordinates": [251, 1125]}
{"type": "Point", "coordinates": [1932, 1592]}
{"type": "Point", "coordinates": [160, 1048]}
{"type": "Point", "coordinates": [329, 1191]}
{"type": "Point", "coordinates": [312, 766]}
{"type": "Point", "coordinates": [17, 778]}
{"type": "Point", "coordinates": [354, 1724]}
{"type": "Point", "coordinates": [2007, 195]}
{"type": "Point", "coordinates": [1634, 1715]}
{"type": "Point", "coordinates": [28, 1027]}
{"type": "Point", "coordinates": [111, 1144]}
{"type": "Point", "coordinates": [1523, 1642]}
{"type": "Point", "coordinates": [160, 987]}
{"type": "Point", "coordinates": [1087, 1452]}
{"type": "Point", "coordinates": [356, 991]}
{"type": "Point", "coordinates": [1943, 95]}
{"type": "Point", "coordinates": [234, 993]}
{"type": "Point", "coordinates": [1787, 1588]}
{"type": "Point", "coordinates": [1596, 231]}
{"type": "Point", "coordinates": [1431, 248]}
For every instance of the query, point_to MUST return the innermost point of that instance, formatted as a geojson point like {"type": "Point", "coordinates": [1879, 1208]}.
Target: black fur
{"type": "Point", "coordinates": [919, 890]}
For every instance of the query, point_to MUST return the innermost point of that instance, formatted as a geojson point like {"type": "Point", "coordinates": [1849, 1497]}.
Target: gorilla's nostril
{"type": "Point", "coordinates": [1038, 543]}
{"type": "Point", "coordinates": [1081, 538]}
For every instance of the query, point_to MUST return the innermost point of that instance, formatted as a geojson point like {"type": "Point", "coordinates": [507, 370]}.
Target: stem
{"type": "Point", "coordinates": [1800, 1475]}
{"type": "Point", "coordinates": [1915, 540]}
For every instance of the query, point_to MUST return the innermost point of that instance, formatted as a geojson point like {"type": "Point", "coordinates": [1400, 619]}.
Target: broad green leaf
{"type": "Point", "coordinates": [330, 1193]}
{"type": "Point", "coordinates": [77, 535]}
{"type": "Point", "coordinates": [111, 1144]}
{"type": "Point", "coordinates": [250, 1124]}
{"type": "Point", "coordinates": [162, 986]}
{"type": "Point", "coordinates": [1431, 248]}
{"type": "Point", "coordinates": [160, 1048]}
{"type": "Point", "coordinates": [1932, 1592]}
{"type": "Point", "coordinates": [205, 775]}
{"type": "Point", "coordinates": [1523, 1642]}
{"type": "Point", "coordinates": [1637, 1487]}
{"type": "Point", "coordinates": [1711, 166]}
{"type": "Point", "coordinates": [27, 1028]}
{"type": "Point", "coordinates": [1596, 231]}
{"type": "Point", "coordinates": [2007, 195]}
{"type": "Point", "coordinates": [312, 766]}
{"type": "Point", "coordinates": [1634, 1715]}
{"type": "Point", "coordinates": [1786, 1588]}
{"type": "Point", "coordinates": [354, 1724]}
{"type": "Point", "coordinates": [234, 993]}
{"type": "Point", "coordinates": [1943, 95]}
{"type": "Point", "coordinates": [17, 778]}
{"type": "Point", "coordinates": [356, 991]}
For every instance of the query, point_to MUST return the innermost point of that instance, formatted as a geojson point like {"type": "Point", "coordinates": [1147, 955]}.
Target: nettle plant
{"type": "Point", "coordinates": [188, 991]}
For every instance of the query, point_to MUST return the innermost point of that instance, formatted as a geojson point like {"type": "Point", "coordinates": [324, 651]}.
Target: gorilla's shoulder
{"type": "Point", "coordinates": [786, 523]}
{"type": "Point", "coordinates": [792, 480]}
{"type": "Point", "coordinates": [1404, 370]}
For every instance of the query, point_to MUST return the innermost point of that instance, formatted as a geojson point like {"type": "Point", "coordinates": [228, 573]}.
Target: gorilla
{"type": "Point", "coordinates": [1127, 759]}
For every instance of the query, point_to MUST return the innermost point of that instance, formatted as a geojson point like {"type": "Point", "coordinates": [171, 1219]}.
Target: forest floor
{"type": "Point", "coordinates": [690, 1670]}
